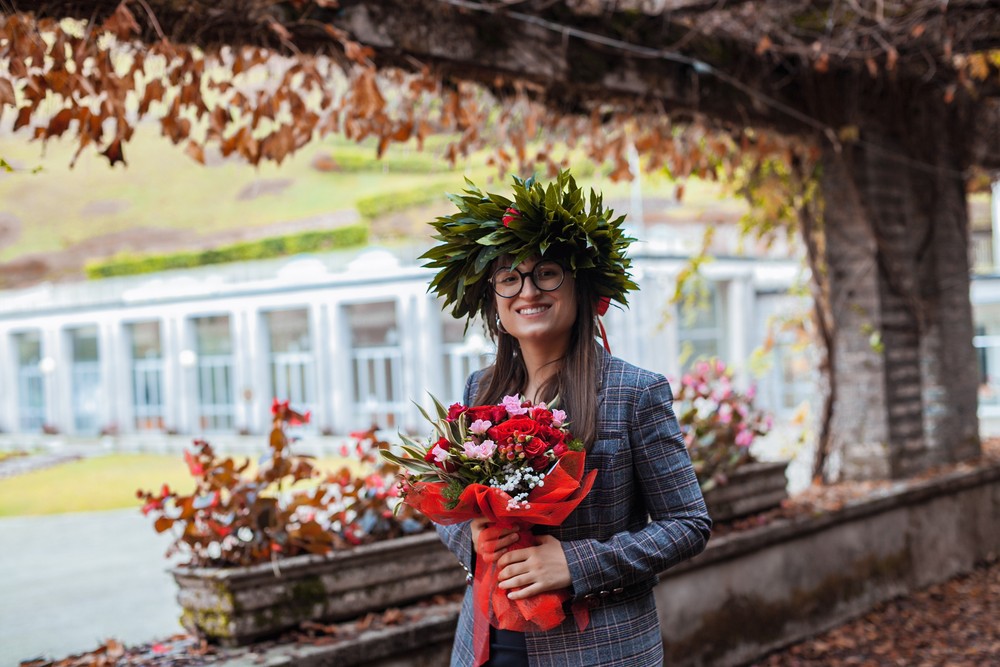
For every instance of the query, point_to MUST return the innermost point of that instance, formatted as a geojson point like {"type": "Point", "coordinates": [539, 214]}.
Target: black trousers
{"type": "Point", "coordinates": [507, 649]}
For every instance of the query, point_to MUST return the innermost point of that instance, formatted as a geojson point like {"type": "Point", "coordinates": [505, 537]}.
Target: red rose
{"type": "Point", "coordinates": [455, 410]}
{"type": "Point", "coordinates": [542, 416]}
{"type": "Point", "coordinates": [540, 463]}
{"type": "Point", "coordinates": [491, 413]}
{"type": "Point", "coordinates": [536, 447]}
{"type": "Point", "coordinates": [522, 425]}
{"type": "Point", "coordinates": [560, 450]}
{"type": "Point", "coordinates": [552, 435]}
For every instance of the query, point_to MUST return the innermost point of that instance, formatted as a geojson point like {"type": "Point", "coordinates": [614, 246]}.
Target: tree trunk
{"type": "Point", "coordinates": [896, 221]}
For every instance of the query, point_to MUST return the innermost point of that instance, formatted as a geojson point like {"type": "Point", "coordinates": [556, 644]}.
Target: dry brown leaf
{"type": "Point", "coordinates": [196, 152]}
{"type": "Point", "coordinates": [7, 97]}
{"type": "Point", "coordinates": [121, 23]}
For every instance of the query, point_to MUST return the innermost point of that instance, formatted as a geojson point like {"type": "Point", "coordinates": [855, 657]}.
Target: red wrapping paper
{"type": "Point", "coordinates": [548, 505]}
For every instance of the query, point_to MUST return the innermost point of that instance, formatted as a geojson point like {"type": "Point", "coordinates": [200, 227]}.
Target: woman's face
{"type": "Point", "coordinates": [533, 316]}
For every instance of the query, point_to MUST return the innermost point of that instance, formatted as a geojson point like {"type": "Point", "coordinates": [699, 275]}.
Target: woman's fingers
{"type": "Point", "coordinates": [534, 570]}
{"type": "Point", "coordinates": [493, 542]}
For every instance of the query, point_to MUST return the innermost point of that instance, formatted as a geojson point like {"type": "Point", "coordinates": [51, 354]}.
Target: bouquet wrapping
{"type": "Point", "coordinates": [515, 464]}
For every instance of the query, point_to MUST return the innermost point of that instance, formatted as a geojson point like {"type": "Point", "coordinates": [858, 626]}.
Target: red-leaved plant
{"type": "Point", "coordinates": [285, 507]}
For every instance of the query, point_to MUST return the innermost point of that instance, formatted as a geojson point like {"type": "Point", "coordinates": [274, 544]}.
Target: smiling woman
{"type": "Point", "coordinates": [538, 269]}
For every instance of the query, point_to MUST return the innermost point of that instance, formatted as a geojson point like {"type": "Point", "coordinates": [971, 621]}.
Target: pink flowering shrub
{"type": "Point", "coordinates": [719, 423]}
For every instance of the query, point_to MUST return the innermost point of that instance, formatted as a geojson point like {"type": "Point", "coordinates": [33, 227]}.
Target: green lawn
{"type": "Point", "coordinates": [98, 483]}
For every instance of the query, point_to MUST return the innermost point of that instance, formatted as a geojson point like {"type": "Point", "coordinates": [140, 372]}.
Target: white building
{"type": "Point", "coordinates": [353, 338]}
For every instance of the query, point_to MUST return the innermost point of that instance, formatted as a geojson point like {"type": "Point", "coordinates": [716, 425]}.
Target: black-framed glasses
{"type": "Point", "coordinates": [546, 276]}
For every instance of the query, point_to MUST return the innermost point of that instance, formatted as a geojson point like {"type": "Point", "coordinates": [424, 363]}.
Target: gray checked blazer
{"type": "Point", "coordinates": [644, 514]}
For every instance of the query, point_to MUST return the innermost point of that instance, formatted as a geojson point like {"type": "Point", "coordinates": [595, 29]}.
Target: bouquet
{"type": "Point", "coordinates": [515, 464]}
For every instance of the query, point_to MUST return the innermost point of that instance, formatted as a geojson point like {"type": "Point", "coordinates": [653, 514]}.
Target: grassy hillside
{"type": "Point", "coordinates": [162, 188]}
{"type": "Point", "coordinates": [163, 201]}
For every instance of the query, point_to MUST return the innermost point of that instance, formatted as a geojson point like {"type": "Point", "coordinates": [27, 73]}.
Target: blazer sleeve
{"type": "Point", "coordinates": [458, 537]}
{"type": "Point", "coordinates": [679, 525]}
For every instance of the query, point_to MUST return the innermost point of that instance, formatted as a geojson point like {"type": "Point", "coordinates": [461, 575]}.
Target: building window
{"type": "Point", "coordinates": [147, 375]}
{"type": "Point", "coordinates": [700, 332]}
{"type": "Point", "coordinates": [987, 344]}
{"type": "Point", "coordinates": [30, 383]}
{"type": "Point", "coordinates": [376, 365]}
{"type": "Point", "coordinates": [85, 379]}
{"type": "Point", "coordinates": [216, 398]}
{"type": "Point", "coordinates": [293, 366]}
{"type": "Point", "coordinates": [788, 380]}
{"type": "Point", "coordinates": [462, 353]}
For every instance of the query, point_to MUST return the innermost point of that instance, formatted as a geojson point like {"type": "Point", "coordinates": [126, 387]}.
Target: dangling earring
{"type": "Point", "coordinates": [500, 326]}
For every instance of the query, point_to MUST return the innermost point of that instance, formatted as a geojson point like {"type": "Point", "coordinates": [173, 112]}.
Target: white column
{"type": "Point", "coordinates": [319, 328]}
{"type": "Point", "coordinates": [995, 218]}
{"type": "Point", "coordinates": [430, 341]}
{"type": "Point", "coordinates": [250, 362]}
{"type": "Point", "coordinates": [338, 345]}
{"type": "Point", "coordinates": [108, 351]}
{"type": "Point", "coordinates": [57, 373]}
{"type": "Point", "coordinates": [173, 392]}
{"type": "Point", "coordinates": [8, 383]}
{"type": "Point", "coordinates": [409, 346]}
{"type": "Point", "coordinates": [738, 324]}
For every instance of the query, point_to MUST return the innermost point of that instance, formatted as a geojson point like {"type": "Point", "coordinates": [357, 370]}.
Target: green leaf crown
{"type": "Point", "coordinates": [552, 221]}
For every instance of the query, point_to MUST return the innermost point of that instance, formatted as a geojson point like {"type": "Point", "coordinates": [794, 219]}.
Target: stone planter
{"type": "Point", "coordinates": [236, 605]}
{"type": "Point", "coordinates": [755, 487]}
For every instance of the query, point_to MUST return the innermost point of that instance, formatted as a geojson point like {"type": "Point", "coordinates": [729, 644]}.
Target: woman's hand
{"type": "Point", "coordinates": [491, 541]}
{"type": "Point", "coordinates": [534, 570]}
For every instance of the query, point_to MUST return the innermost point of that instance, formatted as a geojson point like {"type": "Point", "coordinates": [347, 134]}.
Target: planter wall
{"type": "Point", "coordinates": [752, 592]}
{"type": "Point", "coordinates": [755, 591]}
{"type": "Point", "coordinates": [752, 488]}
{"type": "Point", "coordinates": [237, 605]}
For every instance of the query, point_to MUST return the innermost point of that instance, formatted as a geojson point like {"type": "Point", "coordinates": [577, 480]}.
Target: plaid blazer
{"type": "Point", "coordinates": [644, 514]}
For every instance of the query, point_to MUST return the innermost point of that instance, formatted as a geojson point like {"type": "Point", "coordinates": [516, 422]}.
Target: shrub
{"type": "Point", "coordinates": [285, 508]}
{"type": "Point", "coordinates": [373, 207]}
{"type": "Point", "coordinates": [719, 423]}
{"type": "Point", "coordinates": [125, 264]}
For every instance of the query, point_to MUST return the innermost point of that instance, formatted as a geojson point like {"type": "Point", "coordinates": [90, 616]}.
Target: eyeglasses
{"type": "Point", "coordinates": [546, 276]}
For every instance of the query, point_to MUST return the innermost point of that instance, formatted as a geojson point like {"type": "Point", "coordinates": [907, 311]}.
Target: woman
{"type": "Point", "coordinates": [538, 269]}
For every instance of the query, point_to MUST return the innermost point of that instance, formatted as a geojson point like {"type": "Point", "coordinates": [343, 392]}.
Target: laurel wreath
{"type": "Point", "coordinates": [552, 221]}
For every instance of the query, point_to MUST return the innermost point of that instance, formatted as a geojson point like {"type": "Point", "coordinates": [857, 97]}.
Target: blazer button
{"type": "Point", "coordinates": [604, 594]}
{"type": "Point", "coordinates": [469, 579]}
{"type": "Point", "coordinates": [617, 590]}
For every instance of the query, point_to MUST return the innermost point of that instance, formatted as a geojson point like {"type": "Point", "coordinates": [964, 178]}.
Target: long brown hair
{"type": "Point", "coordinates": [576, 381]}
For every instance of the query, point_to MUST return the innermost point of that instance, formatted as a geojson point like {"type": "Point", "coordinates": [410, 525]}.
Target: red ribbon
{"type": "Point", "coordinates": [565, 487]}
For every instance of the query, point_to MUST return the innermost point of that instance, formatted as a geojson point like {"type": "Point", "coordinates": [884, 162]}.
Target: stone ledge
{"type": "Point", "coordinates": [422, 642]}
{"type": "Point", "coordinates": [783, 530]}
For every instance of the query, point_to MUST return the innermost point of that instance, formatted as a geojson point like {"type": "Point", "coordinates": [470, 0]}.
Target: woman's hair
{"type": "Point", "coordinates": [575, 383]}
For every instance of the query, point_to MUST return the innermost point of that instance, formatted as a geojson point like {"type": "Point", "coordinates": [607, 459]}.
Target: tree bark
{"type": "Point", "coordinates": [897, 249]}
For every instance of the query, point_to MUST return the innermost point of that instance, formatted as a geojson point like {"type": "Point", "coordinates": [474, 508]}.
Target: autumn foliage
{"type": "Point", "coordinates": [238, 514]}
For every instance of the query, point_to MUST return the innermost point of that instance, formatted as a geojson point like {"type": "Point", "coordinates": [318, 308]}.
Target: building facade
{"type": "Point", "coordinates": [354, 340]}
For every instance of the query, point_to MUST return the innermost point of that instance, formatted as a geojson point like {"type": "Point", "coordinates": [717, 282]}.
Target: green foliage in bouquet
{"type": "Point", "coordinates": [719, 423]}
{"type": "Point", "coordinates": [285, 507]}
